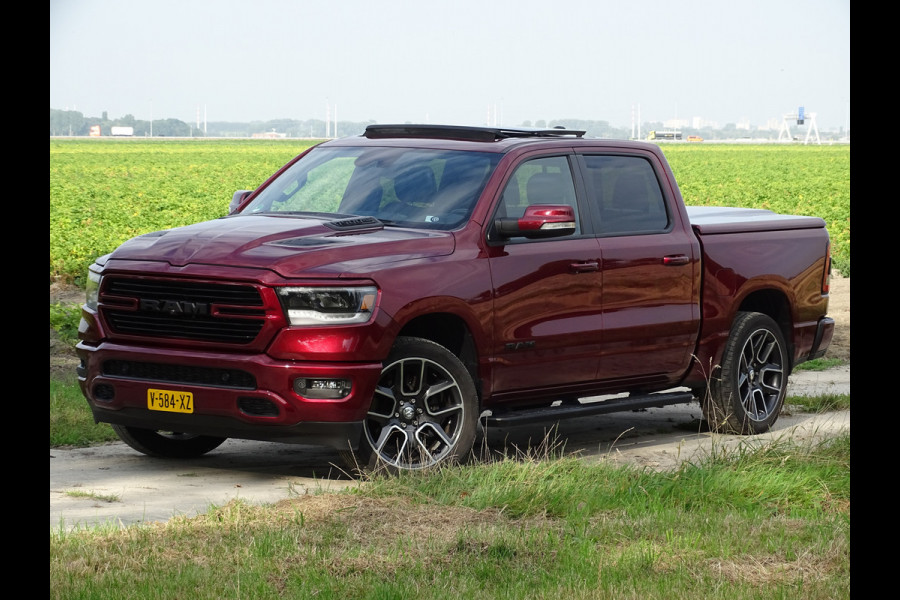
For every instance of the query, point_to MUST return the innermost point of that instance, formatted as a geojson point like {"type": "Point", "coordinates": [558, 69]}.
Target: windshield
{"type": "Point", "coordinates": [411, 187]}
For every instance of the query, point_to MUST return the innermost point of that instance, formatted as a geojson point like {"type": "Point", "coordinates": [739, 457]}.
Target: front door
{"type": "Point", "coordinates": [547, 319]}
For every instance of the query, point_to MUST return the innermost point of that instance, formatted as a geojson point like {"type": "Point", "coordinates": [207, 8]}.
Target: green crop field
{"type": "Point", "coordinates": [105, 191]}
{"type": "Point", "coordinates": [789, 179]}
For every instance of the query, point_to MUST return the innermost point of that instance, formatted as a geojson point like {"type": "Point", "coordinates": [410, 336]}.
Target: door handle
{"type": "Point", "coordinates": [586, 267]}
{"type": "Point", "coordinates": [674, 261]}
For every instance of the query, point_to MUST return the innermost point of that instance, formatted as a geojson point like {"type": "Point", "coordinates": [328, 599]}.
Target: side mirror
{"type": "Point", "coordinates": [237, 200]}
{"type": "Point", "coordinates": [539, 221]}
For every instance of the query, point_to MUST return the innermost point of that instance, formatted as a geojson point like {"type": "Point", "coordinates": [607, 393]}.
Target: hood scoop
{"type": "Point", "coordinates": [347, 226]}
{"type": "Point", "coordinates": [355, 224]}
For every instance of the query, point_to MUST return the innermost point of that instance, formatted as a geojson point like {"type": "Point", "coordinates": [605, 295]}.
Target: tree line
{"type": "Point", "coordinates": [74, 123]}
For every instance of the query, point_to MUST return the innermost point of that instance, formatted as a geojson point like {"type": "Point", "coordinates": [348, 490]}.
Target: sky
{"type": "Point", "coordinates": [457, 62]}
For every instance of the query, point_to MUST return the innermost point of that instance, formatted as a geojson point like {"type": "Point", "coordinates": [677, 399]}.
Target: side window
{"type": "Point", "coordinates": [539, 181]}
{"type": "Point", "coordinates": [624, 195]}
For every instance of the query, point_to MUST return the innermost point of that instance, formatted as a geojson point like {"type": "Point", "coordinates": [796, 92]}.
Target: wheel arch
{"type": "Point", "coordinates": [776, 304]}
{"type": "Point", "coordinates": [453, 333]}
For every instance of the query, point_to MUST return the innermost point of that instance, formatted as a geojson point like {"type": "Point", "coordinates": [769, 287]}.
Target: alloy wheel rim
{"type": "Point", "coordinates": [761, 375]}
{"type": "Point", "coordinates": [417, 414]}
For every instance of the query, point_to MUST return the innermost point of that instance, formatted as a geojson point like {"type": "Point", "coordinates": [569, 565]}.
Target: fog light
{"type": "Point", "coordinates": [103, 392]}
{"type": "Point", "coordinates": [322, 389]}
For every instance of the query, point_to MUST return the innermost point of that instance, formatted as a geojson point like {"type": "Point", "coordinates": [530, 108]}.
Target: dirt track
{"type": "Point", "coordinates": [839, 310]}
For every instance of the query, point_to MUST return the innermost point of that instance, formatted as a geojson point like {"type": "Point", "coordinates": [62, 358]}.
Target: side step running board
{"type": "Point", "coordinates": [551, 414]}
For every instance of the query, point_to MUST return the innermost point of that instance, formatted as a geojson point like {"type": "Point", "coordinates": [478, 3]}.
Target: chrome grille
{"type": "Point", "coordinates": [238, 317]}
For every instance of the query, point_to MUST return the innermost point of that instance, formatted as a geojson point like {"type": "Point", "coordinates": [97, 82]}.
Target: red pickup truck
{"type": "Point", "coordinates": [389, 294]}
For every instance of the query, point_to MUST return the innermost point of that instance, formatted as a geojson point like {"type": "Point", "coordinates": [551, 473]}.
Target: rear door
{"type": "Point", "coordinates": [650, 307]}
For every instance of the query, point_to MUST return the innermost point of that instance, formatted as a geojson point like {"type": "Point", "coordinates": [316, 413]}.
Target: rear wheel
{"type": "Point", "coordinates": [167, 444]}
{"type": "Point", "coordinates": [424, 411]}
{"type": "Point", "coordinates": [748, 395]}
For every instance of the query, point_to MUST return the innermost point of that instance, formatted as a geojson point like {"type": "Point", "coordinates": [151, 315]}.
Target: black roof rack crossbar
{"type": "Point", "coordinates": [463, 132]}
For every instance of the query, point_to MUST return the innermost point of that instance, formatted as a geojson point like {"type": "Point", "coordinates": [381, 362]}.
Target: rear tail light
{"type": "Point", "coordinates": [826, 276]}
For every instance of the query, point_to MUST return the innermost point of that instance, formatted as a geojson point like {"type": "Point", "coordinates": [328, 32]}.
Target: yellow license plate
{"type": "Point", "coordinates": [170, 401]}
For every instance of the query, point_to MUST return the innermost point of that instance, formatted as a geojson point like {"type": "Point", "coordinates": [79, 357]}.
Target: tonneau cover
{"type": "Point", "coordinates": [714, 219]}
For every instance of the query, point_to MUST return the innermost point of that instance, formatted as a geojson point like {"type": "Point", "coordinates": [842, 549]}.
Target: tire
{"type": "Point", "coordinates": [748, 395]}
{"type": "Point", "coordinates": [423, 413]}
{"type": "Point", "coordinates": [167, 444]}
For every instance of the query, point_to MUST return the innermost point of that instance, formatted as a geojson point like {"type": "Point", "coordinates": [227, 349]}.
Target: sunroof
{"type": "Point", "coordinates": [463, 132]}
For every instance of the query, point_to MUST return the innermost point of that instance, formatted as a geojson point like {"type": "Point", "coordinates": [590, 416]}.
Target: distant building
{"type": "Point", "coordinates": [675, 124]}
{"type": "Point", "coordinates": [701, 123]}
{"type": "Point", "coordinates": [269, 135]}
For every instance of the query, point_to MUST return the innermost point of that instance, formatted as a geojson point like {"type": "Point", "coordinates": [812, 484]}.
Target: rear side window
{"type": "Point", "coordinates": [624, 195]}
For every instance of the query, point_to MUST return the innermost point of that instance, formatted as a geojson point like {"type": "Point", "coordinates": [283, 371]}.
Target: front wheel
{"type": "Point", "coordinates": [424, 411]}
{"type": "Point", "coordinates": [748, 395]}
{"type": "Point", "coordinates": [167, 444]}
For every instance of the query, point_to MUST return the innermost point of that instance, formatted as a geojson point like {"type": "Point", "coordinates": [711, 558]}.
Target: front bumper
{"type": "Point", "coordinates": [245, 396]}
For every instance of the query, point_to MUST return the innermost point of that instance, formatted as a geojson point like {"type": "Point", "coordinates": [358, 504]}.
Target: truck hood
{"type": "Point", "coordinates": [288, 245]}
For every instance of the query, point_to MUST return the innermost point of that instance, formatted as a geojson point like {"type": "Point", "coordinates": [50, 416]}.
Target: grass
{"type": "Point", "coordinates": [770, 523]}
{"type": "Point", "coordinates": [64, 318]}
{"type": "Point", "coordinates": [819, 404]}
{"type": "Point", "coordinates": [819, 364]}
{"type": "Point", "coordinates": [93, 496]}
{"type": "Point", "coordinates": [71, 423]}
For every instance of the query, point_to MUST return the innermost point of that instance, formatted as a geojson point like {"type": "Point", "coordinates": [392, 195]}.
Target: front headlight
{"type": "Point", "coordinates": [92, 288]}
{"type": "Point", "coordinates": [328, 305]}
